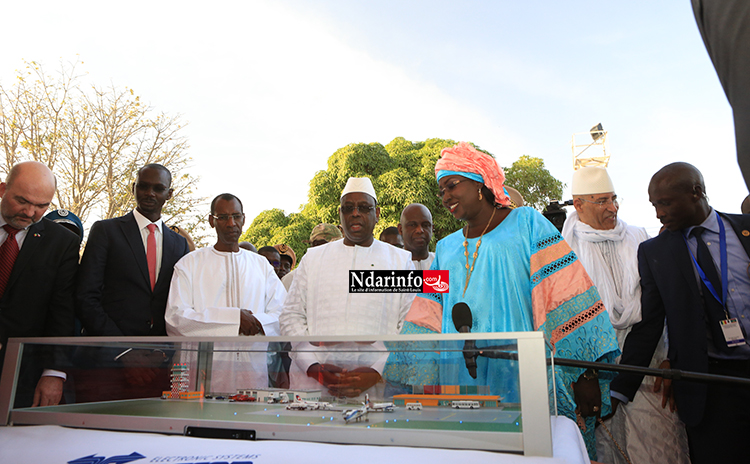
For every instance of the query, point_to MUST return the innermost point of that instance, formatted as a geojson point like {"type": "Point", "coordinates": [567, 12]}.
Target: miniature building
{"type": "Point", "coordinates": [181, 385]}
{"type": "Point", "coordinates": [180, 380]}
{"type": "Point", "coordinates": [445, 400]}
{"type": "Point", "coordinates": [277, 394]}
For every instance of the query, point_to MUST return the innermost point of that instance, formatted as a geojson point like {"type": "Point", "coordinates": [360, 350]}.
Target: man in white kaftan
{"type": "Point", "coordinates": [319, 302]}
{"type": "Point", "coordinates": [608, 249]}
{"type": "Point", "coordinates": [227, 291]}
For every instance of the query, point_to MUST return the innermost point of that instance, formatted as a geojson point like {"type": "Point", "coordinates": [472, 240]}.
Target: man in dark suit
{"type": "Point", "coordinates": [38, 262]}
{"type": "Point", "coordinates": [707, 312]}
{"type": "Point", "coordinates": [126, 270]}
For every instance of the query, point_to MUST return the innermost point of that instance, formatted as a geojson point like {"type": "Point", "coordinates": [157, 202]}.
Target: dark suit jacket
{"type": "Point", "coordinates": [670, 289]}
{"type": "Point", "coordinates": [114, 296]}
{"type": "Point", "coordinates": [38, 300]}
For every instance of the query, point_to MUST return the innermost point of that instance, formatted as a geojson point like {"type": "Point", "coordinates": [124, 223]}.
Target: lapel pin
{"type": "Point", "coordinates": [37, 235]}
{"type": "Point", "coordinates": [745, 233]}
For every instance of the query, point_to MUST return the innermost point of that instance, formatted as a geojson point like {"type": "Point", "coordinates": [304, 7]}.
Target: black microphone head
{"type": "Point", "coordinates": [462, 316]}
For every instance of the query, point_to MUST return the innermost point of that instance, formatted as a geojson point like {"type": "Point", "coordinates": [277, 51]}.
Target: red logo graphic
{"type": "Point", "coordinates": [434, 281]}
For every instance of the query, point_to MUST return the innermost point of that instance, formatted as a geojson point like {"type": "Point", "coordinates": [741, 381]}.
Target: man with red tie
{"type": "Point", "coordinates": [126, 270]}
{"type": "Point", "coordinates": [38, 261]}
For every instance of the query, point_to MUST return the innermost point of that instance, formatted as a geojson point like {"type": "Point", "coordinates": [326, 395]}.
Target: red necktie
{"type": "Point", "coordinates": [8, 255]}
{"type": "Point", "coordinates": [151, 254]}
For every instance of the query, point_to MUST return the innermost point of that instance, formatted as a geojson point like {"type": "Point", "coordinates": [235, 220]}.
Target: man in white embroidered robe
{"type": "Point", "coordinates": [319, 302]}
{"type": "Point", "coordinates": [608, 250]}
{"type": "Point", "coordinates": [227, 291]}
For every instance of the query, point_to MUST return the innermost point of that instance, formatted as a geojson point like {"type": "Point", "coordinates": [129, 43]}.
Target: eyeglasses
{"type": "Point", "coordinates": [449, 187]}
{"type": "Point", "coordinates": [363, 209]}
{"type": "Point", "coordinates": [237, 217]}
{"type": "Point", "coordinates": [605, 203]}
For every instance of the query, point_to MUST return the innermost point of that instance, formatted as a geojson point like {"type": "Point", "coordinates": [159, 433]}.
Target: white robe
{"type": "Point", "coordinates": [319, 303]}
{"type": "Point", "coordinates": [641, 427]}
{"type": "Point", "coordinates": [208, 290]}
{"type": "Point", "coordinates": [423, 265]}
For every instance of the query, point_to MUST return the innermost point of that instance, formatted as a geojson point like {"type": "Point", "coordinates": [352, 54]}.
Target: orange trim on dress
{"type": "Point", "coordinates": [548, 255]}
{"type": "Point", "coordinates": [550, 294]}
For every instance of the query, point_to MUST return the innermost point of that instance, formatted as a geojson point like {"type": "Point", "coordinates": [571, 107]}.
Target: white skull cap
{"type": "Point", "coordinates": [359, 184]}
{"type": "Point", "coordinates": [591, 181]}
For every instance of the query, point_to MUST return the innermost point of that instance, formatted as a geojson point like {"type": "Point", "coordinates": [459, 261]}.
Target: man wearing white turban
{"type": "Point", "coordinates": [608, 249]}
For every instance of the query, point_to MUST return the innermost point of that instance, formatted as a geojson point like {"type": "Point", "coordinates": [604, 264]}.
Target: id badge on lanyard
{"type": "Point", "coordinates": [730, 327]}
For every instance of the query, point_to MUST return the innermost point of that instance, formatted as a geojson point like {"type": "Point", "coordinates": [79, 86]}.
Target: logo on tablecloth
{"type": "Point", "coordinates": [94, 459]}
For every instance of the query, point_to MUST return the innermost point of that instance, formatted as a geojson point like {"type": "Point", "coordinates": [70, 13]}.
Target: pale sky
{"type": "Point", "coordinates": [271, 89]}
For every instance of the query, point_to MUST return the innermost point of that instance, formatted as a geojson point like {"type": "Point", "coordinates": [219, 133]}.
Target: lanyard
{"type": "Point", "coordinates": [724, 273]}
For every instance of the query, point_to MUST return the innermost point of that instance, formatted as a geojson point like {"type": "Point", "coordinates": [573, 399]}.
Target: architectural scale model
{"type": "Point", "coordinates": [181, 385]}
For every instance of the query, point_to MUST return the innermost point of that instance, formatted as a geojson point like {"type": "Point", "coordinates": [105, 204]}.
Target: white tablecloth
{"type": "Point", "coordinates": [49, 444]}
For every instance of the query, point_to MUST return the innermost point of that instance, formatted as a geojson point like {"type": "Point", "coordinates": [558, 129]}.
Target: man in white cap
{"type": "Point", "coordinates": [608, 250]}
{"type": "Point", "coordinates": [319, 302]}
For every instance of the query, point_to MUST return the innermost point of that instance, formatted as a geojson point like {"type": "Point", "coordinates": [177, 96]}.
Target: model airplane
{"type": "Point", "coordinates": [357, 414]}
{"type": "Point", "coordinates": [302, 405]}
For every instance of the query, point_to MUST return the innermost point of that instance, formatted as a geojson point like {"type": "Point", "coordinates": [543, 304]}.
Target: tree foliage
{"type": "Point", "coordinates": [402, 172]}
{"type": "Point", "coordinates": [94, 139]}
{"type": "Point", "coordinates": [534, 182]}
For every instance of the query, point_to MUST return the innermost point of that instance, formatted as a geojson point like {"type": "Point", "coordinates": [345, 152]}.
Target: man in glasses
{"type": "Point", "coordinates": [224, 290]}
{"type": "Point", "coordinates": [319, 302]}
{"type": "Point", "coordinates": [608, 250]}
{"type": "Point", "coordinates": [124, 279]}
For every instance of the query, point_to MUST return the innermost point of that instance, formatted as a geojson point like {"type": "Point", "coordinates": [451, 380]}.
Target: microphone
{"type": "Point", "coordinates": [463, 321]}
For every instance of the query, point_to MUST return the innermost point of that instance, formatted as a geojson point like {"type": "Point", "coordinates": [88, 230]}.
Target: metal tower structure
{"type": "Point", "coordinates": [590, 154]}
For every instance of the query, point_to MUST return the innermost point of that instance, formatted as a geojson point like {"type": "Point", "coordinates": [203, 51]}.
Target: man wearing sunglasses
{"type": "Point", "coordinates": [124, 279]}
{"type": "Point", "coordinates": [319, 302]}
{"type": "Point", "coordinates": [127, 265]}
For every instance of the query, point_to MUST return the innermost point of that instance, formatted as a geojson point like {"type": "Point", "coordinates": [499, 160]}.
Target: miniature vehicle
{"type": "Point", "coordinates": [241, 398]}
{"type": "Point", "coordinates": [277, 397]}
{"type": "Point", "coordinates": [413, 406]}
{"type": "Point", "coordinates": [381, 407]}
{"type": "Point", "coordinates": [465, 404]}
{"type": "Point", "coordinates": [220, 397]}
{"type": "Point", "coordinates": [301, 405]}
{"type": "Point", "coordinates": [208, 397]}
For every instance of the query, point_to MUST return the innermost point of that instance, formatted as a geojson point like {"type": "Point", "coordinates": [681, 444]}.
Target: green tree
{"type": "Point", "coordinates": [94, 140]}
{"type": "Point", "coordinates": [402, 172]}
{"type": "Point", "coordinates": [533, 181]}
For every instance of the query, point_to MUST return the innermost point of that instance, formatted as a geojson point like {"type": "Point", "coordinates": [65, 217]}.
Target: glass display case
{"type": "Point", "coordinates": [475, 391]}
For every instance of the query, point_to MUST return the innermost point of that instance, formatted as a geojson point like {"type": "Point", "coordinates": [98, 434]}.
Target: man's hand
{"type": "Point", "coordinates": [48, 391]}
{"type": "Point", "coordinates": [588, 396]}
{"type": "Point", "coordinates": [325, 374]}
{"type": "Point", "coordinates": [355, 382]}
{"type": "Point", "coordinates": [666, 391]}
{"type": "Point", "coordinates": [249, 325]}
{"type": "Point", "coordinates": [141, 366]}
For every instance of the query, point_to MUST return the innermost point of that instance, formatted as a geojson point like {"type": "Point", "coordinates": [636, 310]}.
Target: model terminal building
{"type": "Point", "coordinates": [444, 395]}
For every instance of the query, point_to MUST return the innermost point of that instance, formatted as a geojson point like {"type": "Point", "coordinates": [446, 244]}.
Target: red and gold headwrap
{"type": "Point", "coordinates": [465, 160]}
